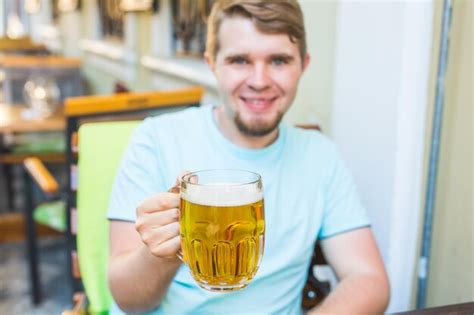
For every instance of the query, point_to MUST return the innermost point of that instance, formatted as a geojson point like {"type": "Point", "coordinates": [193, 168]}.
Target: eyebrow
{"type": "Point", "coordinates": [235, 56]}
{"type": "Point", "coordinates": [284, 56]}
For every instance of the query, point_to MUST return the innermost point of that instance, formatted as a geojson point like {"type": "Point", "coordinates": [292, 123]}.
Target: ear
{"type": "Point", "coordinates": [210, 61]}
{"type": "Point", "coordinates": [306, 61]}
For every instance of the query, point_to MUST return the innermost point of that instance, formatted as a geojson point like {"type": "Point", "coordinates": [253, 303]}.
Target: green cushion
{"type": "Point", "coordinates": [101, 146]}
{"type": "Point", "coordinates": [52, 214]}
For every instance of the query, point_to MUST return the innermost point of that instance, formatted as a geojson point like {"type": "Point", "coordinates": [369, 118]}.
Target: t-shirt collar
{"type": "Point", "coordinates": [246, 153]}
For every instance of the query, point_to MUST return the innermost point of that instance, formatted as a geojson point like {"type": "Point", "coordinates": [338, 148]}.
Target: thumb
{"type": "Point", "coordinates": [177, 186]}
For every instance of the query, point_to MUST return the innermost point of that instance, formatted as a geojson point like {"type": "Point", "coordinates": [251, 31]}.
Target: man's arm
{"type": "Point", "coordinates": [143, 257]}
{"type": "Point", "coordinates": [363, 286]}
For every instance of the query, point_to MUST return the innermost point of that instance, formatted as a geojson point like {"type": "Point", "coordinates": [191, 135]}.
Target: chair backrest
{"type": "Point", "coordinates": [101, 146]}
{"type": "Point", "coordinates": [93, 153]}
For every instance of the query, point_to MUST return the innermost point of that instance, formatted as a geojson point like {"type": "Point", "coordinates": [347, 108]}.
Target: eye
{"type": "Point", "coordinates": [278, 61]}
{"type": "Point", "coordinates": [239, 61]}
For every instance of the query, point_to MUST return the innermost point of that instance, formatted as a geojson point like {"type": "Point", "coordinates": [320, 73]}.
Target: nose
{"type": "Point", "coordinates": [259, 77]}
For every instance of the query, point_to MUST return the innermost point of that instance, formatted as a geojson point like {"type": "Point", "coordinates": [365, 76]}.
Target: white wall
{"type": "Point", "coordinates": [383, 50]}
{"type": "Point", "coordinates": [313, 101]}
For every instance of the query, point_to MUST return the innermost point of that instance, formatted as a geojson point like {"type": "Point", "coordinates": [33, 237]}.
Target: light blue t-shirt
{"type": "Point", "coordinates": [308, 194]}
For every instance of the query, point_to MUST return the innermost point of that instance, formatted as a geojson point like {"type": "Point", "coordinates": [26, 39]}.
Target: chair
{"type": "Point", "coordinates": [63, 76]}
{"type": "Point", "coordinates": [99, 154]}
{"type": "Point", "coordinates": [81, 111]}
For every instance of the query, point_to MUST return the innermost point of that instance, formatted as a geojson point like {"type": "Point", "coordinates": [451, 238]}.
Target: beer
{"type": "Point", "coordinates": [222, 233]}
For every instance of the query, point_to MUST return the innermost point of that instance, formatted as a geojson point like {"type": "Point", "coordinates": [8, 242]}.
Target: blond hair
{"type": "Point", "coordinates": [269, 17]}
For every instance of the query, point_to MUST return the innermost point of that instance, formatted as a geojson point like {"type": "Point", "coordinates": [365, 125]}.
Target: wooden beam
{"type": "Point", "coordinates": [18, 158]}
{"type": "Point", "coordinates": [49, 61]}
{"type": "Point", "coordinates": [100, 104]}
{"type": "Point", "coordinates": [18, 44]}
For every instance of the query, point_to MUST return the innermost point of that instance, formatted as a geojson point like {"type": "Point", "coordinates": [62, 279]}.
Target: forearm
{"type": "Point", "coordinates": [358, 294]}
{"type": "Point", "coordinates": [138, 280]}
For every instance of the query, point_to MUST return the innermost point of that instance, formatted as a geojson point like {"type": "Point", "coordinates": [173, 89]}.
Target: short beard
{"type": "Point", "coordinates": [258, 130]}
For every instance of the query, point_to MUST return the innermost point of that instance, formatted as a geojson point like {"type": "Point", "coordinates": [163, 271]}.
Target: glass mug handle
{"type": "Point", "coordinates": [180, 255]}
{"type": "Point", "coordinates": [176, 189]}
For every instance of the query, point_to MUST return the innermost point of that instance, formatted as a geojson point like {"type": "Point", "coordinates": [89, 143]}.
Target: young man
{"type": "Point", "coordinates": [257, 51]}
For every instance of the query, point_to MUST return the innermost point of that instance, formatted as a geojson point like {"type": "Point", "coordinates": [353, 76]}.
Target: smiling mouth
{"type": "Point", "coordinates": [258, 104]}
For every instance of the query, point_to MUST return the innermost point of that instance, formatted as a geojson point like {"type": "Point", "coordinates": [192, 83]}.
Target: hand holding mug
{"type": "Point", "coordinates": [158, 223]}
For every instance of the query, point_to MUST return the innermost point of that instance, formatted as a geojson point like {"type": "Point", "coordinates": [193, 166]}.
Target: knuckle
{"type": "Point", "coordinates": [162, 204]}
{"type": "Point", "coordinates": [176, 228]}
{"type": "Point", "coordinates": [159, 251]}
{"type": "Point", "coordinates": [155, 251]}
{"type": "Point", "coordinates": [139, 224]}
{"type": "Point", "coordinates": [146, 238]}
{"type": "Point", "coordinates": [176, 214]}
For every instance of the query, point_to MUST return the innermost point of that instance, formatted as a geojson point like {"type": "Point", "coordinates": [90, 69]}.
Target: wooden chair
{"type": "Point", "coordinates": [17, 70]}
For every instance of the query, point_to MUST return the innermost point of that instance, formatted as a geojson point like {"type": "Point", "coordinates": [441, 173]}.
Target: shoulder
{"type": "Point", "coordinates": [176, 122]}
{"type": "Point", "coordinates": [310, 140]}
{"type": "Point", "coordinates": [188, 115]}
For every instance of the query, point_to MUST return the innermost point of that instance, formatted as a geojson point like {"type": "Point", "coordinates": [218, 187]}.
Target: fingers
{"type": "Point", "coordinates": [157, 224]}
{"type": "Point", "coordinates": [161, 241]}
{"type": "Point", "coordinates": [155, 237]}
{"type": "Point", "coordinates": [168, 248]}
{"type": "Point", "coordinates": [159, 202]}
{"type": "Point", "coordinates": [157, 219]}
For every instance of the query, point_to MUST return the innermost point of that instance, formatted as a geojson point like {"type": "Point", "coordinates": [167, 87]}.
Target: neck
{"type": "Point", "coordinates": [230, 131]}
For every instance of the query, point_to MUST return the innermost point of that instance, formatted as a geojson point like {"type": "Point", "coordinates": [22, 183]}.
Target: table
{"type": "Point", "coordinates": [12, 122]}
{"type": "Point", "coordinates": [455, 309]}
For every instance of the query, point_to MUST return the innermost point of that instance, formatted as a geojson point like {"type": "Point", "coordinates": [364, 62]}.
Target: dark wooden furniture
{"type": "Point", "coordinates": [11, 124]}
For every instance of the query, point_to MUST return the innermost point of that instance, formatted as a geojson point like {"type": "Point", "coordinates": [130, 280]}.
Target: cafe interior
{"type": "Point", "coordinates": [389, 82]}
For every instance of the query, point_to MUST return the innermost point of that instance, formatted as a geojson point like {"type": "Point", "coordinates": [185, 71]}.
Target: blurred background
{"type": "Point", "coordinates": [389, 81]}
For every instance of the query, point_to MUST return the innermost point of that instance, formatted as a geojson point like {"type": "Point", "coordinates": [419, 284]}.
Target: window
{"type": "Point", "coordinates": [15, 20]}
{"type": "Point", "coordinates": [112, 20]}
{"type": "Point", "coordinates": [111, 40]}
{"type": "Point", "coordinates": [189, 26]}
{"type": "Point", "coordinates": [55, 13]}
{"type": "Point", "coordinates": [178, 37]}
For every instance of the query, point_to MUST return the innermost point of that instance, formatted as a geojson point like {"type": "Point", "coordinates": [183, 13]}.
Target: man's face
{"type": "Point", "coordinates": [257, 75]}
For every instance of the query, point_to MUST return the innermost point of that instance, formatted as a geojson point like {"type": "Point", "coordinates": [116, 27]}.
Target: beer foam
{"type": "Point", "coordinates": [222, 195]}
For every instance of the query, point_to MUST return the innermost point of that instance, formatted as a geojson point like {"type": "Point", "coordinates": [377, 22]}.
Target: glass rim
{"type": "Point", "coordinates": [255, 181]}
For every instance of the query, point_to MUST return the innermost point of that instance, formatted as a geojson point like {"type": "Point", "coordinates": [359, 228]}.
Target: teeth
{"type": "Point", "coordinates": [257, 102]}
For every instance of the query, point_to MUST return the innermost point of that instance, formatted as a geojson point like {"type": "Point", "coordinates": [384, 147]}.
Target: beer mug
{"type": "Point", "coordinates": [222, 227]}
